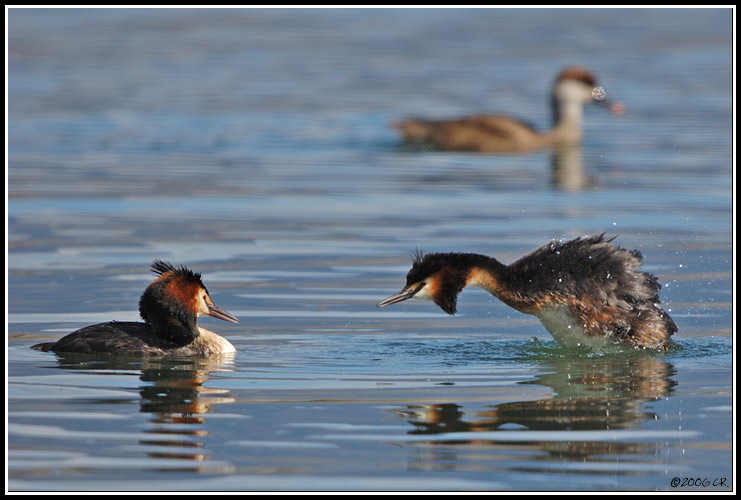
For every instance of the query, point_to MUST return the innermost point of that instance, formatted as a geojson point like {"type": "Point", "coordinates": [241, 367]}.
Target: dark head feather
{"type": "Point", "coordinates": [425, 265]}
{"type": "Point", "coordinates": [581, 75]}
{"type": "Point", "coordinates": [168, 315]}
{"type": "Point", "coordinates": [450, 270]}
{"type": "Point", "coordinates": [161, 267]}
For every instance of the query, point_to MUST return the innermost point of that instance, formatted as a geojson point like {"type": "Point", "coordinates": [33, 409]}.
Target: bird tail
{"type": "Point", "coordinates": [415, 130]}
{"type": "Point", "coordinates": [46, 346]}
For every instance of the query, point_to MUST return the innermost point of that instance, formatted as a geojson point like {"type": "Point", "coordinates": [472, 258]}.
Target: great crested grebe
{"type": "Point", "coordinates": [572, 89]}
{"type": "Point", "coordinates": [585, 291]}
{"type": "Point", "coordinates": [170, 306]}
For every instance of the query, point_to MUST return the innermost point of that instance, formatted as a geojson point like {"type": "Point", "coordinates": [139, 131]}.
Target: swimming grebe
{"type": "Point", "coordinates": [585, 291]}
{"type": "Point", "coordinates": [170, 306]}
{"type": "Point", "coordinates": [500, 134]}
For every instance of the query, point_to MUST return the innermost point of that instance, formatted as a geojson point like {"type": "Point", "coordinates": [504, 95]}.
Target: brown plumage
{"type": "Point", "coordinates": [501, 134]}
{"type": "Point", "coordinates": [170, 306]}
{"type": "Point", "coordinates": [584, 291]}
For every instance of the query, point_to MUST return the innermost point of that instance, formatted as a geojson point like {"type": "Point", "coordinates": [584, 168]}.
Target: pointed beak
{"type": "Point", "coordinates": [404, 294]}
{"type": "Point", "coordinates": [617, 108]}
{"type": "Point", "coordinates": [217, 312]}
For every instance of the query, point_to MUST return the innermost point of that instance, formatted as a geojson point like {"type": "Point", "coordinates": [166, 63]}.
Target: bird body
{"type": "Point", "coordinates": [584, 291]}
{"type": "Point", "coordinates": [170, 306]}
{"type": "Point", "coordinates": [572, 89]}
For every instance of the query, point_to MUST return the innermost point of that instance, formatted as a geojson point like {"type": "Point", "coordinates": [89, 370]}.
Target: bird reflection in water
{"type": "Point", "coordinates": [588, 394]}
{"type": "Point", "coordinates": [567, 169]}
{"type": "Point", "coordinates": [173, 391]}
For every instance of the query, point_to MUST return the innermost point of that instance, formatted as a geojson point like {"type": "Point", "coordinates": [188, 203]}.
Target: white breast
{"type": "Point", "coordinates": [211, 343]}
{"type": "Point", "coordinates": [567, 331]}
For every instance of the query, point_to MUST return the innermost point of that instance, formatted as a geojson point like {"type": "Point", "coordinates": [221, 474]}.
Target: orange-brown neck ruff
{"type": "Point", "coordinates": [184, 291]}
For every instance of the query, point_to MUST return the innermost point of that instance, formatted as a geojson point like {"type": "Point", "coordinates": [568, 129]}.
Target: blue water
{"type": "Point", "coordinates": [254, 146]}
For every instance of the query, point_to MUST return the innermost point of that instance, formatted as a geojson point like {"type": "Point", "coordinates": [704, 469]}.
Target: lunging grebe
{"type": "Point", "coordinates": [500, 134]}
{"type": "Point", "coordinates": [170, 307]}
{"type": "Point", "coordinates": [585, 291]}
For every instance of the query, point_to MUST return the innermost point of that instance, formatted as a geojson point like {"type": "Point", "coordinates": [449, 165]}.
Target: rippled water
{"type": "Point", "coordinates": [254, 146]}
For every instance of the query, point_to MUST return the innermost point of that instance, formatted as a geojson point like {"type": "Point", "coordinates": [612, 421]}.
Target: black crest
{"type": "Point", "coordinates": [161, 267]}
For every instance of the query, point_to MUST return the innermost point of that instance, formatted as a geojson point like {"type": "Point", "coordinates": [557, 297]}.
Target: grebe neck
{"type": "Point", "coordinates": [486, 272]}
{"type": "Point", "coordinates": [170, 320]}
{"type": "Point", "coordinates": [182, 330]}
{"type": "Point", "coordinates": [567, 121]}
{"type": "Point", "coordinates": [498, 279]}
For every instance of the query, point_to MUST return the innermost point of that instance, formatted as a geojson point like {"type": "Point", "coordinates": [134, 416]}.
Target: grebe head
{"type": "Point", "coordinates": [439, 277]}
{"type": "Point", "coordinates": [172, 303]}
{"type": "Point", "coordinates": [573, 88]}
